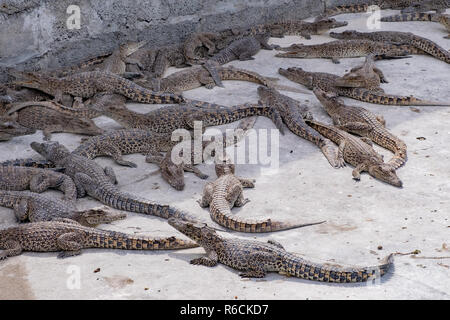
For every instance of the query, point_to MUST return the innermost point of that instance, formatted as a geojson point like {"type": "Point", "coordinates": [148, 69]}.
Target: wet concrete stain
{"type": "Point", "coordinates": [118, 282]}
{"type": "Point", "coordinates": [334, 228]}
{"type": "Point", "coordinates": [14, 283]}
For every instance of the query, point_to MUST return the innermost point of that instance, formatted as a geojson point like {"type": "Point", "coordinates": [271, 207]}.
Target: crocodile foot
{"type": "Point", "coordinates": [330, 151]}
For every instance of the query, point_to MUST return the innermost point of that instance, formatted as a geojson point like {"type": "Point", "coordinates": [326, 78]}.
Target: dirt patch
{"type": "Point", "coordinates": [14, 284]}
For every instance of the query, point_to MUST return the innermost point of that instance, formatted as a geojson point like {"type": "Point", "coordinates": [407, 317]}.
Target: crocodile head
{"type": "Point", "coordinates": [326, 24]}
{"type": "Point", "coordinates": [10, 128]}
{"type": "Point", "coordinates": [83, 126]}
{"type": "Point", "coordinates": [173, 174]}
{"type": "Point", "coordinates": [385, 173]}
{"type": "Point", "coordinates": [199, 232]}
{"type": "Point", "coordinates": [33, 80]}
{"type": "Point", "coordinates": [93, 217]}
{"type": "Point", "coordinates": [348, 34]}
{"type": "Point", "coordinates": [52, 150]}
{"type": "Point", "coordinates": [298, 75]}
{"type": "Point", "coordinates": [224, 165]}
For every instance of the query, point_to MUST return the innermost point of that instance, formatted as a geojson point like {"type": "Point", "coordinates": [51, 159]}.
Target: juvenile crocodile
{"type": "Point", "coordinates": [364, 123]}
{"type": "Point", "coordinates": [404, 5]}
{"type": "Point", "coordinates": [37, 180]}
{"type": "Point", "coordinates": [256, 258]}
{"type": "Point", "coordinates": [86, 84]}
{"type": "Point", "coordinates": [407, 39]}
{"type": "Point", "coordinates": [169, 118]}
{"type": "Point", "coordinates": [326, 82]}
{"type": "Point", "coordinates": [359, 153]}
{"type": "Point", "coordinates": [70, 237]}
{"type": "Point", "coordinates": [226, 192]}
{"type": "Point", "coordinates": [211, 40]}
{"type": "Point", "coordinates": [342, 49]}
{"type": "Point", "coordinates": [198, 76]}
{"type": "Point", "coordinates": [34, 207]}
{"type": "Point", "coordinates": [443, 19]}
{"type": "Point", "coordinates": [28, 162]}
{"type": "Point", "coordinates": [98, 183]}
{"type": "Point", "coordinates": [52, 117]}
{"type": "Point", "coordinates": [241, 49]}
{"type": "Point", "coordinates": [365, 76]}
{"type": "Point", "coordinates": [293, 114]}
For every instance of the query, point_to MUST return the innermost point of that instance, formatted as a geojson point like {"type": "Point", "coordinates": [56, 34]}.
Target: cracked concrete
{"type": "Point", "coordinates": [366, 220]}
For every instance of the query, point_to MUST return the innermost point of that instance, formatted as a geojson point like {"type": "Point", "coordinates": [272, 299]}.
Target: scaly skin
{"type": "Point", "coordinates": [34, 207]}
{"type": "Point", "coordinates": [198, 76]}
{"type": "Point", "coordinates": [70, 237]}
{"type": "Point", "coordinates": [37, 180]}
{"type": "Point", "coordinates": [408, 39]}
{"type": "Point", "coordinates": [326, 82]}
{"type": "Point", "coordinates": [242, 49]}
{"type": "Point", "coordinates": [404, 5]}
{"type": "Point", "coordinates": [226, 192]}
{"type": "Point", "coordinates": [364, 123]}
{"type": "Point", "coordinates": [10, 129]}
{"type": "Point", "coordinates": [366, 76]}
{"type": "Point", "coordinates": [443, 19]}
{"type": "Point", "coordinates": [342, 49]}
{"type": "Point", "coordinates": [51, 117]}
{"type": "Point", "coordinates": [303, 28]}
{"type": "Point", "coordinates": [98, 183]}
{"type": "Point", "coordinates": [167, 119]}
{"type": "Point", "coordinates": [293, 114]}
{"type": "Point", "coordinates": [28, 162]}
{"type": "Point", "coordinates": [359, 153]}
{"type": "Point", "coordinates": [256, 258]}
{"type": "Point", "coordinates": [86, 84]}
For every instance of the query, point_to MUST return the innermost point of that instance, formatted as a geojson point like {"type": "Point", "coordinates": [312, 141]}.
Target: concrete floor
{"type": "Point", "coordinates": [366, 220]}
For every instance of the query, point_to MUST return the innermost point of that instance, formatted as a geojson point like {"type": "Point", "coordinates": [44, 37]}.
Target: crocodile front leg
{"type": "Point", "coordinates": [70, 243]}
{"type": "Point", "coordinates": [208, 192]}
{"type": "Point", "coordinates": [11, 248]}
{"type": "Point", "coordinates": [210, 260]}
{"type": "Point", "coordinates": [356, 173]}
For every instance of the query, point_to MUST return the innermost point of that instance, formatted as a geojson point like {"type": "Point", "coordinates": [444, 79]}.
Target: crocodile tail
{"type": "Point", "coordinates": [212, 69]}
{"type": "Point", "coordinates": [221, 214]}
{"type": "Point", "coordinates": [365, 95]}
{"type": "Point", "coordinates": [300, 268]}
{"type": "Point", "coordinates": [400, 154]}
{"type": "Point", "coordinates": [417, 16]}
{"type": "Point", "coordinates": [137, 93]}
{"type": "Point", "coordinates": [352, 8]}
{"type": "Point", "coordinates": [431, 48]}
{"type": "Point", "coordinates": [118, 240]}
{"type": "Point", "coordinates": [43, 164]}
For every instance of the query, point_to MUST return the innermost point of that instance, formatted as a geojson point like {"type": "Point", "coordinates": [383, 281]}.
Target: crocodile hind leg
{"type": "Point", "coordinates": [210, 260]}
{"type": "Point", "coordinates": [110, 174]}
{"type": "Point", "coordinates": [241, 201]}
{"type": "Point", "coordinates": [115, 153]}
{"type": "Point", "coordinates": [194, 170]}
{"type": "Point", "coordinates": [70, 243]}
{"type": "Point", "coordinates": [11, 248]}
{"type": "Point", "coordinates": [207, 195]}
{"type": "Point", "coordinates": [21, 210]}
{"type": "Point", "coordinates": [39, 183]}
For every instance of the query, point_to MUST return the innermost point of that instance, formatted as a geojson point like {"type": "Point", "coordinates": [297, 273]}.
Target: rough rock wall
{"type": "Point", "coordinates": [34, 34]}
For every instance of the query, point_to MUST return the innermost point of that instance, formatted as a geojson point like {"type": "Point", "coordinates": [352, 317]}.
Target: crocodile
{"type": "Point", "coordinates": [198, 76]}
{"type": "Point", "coordinates": [443, 19]}
{"type": "Point", "coordinates": [326, 82]}
{"type": "Point", "coordinates": [365, 76]}
{"type": "Point", "coordinates": [359, 153]}
{"type": "Point", "coordinates": [37, 180]}
{"type": "Point", "coordinates": [86, 84]}
{"type": "Point", "coordinates": [10, 129]}
{"type": "Point", "coordinates": [69, 237]}
{"type": "Point", "coordinates": [403, 5]}
{"type": "Point", "coordinates": [364, 123]}
{"type": "Point", "coordinates": [293, 115]}
{"type": "Point", "coordinates": [256, 258]}
{"type": "Point", "coordinates": [28, 162]}
{"type": "Point", "coordinates": [169, 118]}
{"type": "Point", "coordinates": [342, 49]}
{"type": "Point", "coordinates": [98, 183]}
{"type": "Point", "coordinates": [52, 117]}
{"type": "Point", "coordinates": [415, 44]}
{"type": "Point", "coordinates": [211, 40]}
{"type": "Point", "coordinates": [226, 192]}
{"type": "Point", "coordinates": [34, 207]}
{"type": "Point", "coordinates": [153, 62]}
{"type": "Point", "coordinates": [242, 49]}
